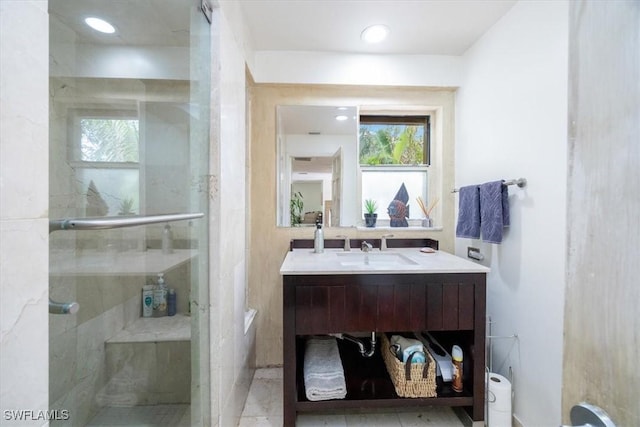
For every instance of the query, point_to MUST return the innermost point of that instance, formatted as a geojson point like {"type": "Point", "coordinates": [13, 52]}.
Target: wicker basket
{"type": "Point", "coordinates": [410, 379]}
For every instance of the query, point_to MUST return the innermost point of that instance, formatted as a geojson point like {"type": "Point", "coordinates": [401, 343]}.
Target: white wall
{"type": "Point", "coordinates": [24, 201]}
{"type": "Point", "coordinates": [511, 122]}
{"type": "Point", "coordinates": [353, 69]}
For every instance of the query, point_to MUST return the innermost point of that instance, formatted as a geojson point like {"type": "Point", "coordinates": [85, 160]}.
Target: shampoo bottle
{"type": "Point", "coordinates": [147, 301]}
{"type": "Point", "coordinates": [160, 297]}
{"type": "Point", "coordinates": [172, 303]}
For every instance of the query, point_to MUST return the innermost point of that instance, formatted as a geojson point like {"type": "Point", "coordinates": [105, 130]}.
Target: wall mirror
{"type": "Point", "coordinates": [332, 161]}
{"type": "Point", "coordinates": [317, 149]}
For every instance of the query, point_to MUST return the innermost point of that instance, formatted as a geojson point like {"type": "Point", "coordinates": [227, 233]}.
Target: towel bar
{"type": "Point", "coordinates": [520, 182]}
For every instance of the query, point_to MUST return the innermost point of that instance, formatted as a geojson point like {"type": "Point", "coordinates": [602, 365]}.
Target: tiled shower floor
{"type": "Point", "coordinates": [143, 416]}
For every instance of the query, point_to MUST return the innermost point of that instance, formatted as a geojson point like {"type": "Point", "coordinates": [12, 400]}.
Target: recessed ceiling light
{"type": "Point", "coordinates": [375, 33]}
{"type": "Point", "coordinates": [100, 25]}
{"type": "Point", "coordinates": [341, 118]}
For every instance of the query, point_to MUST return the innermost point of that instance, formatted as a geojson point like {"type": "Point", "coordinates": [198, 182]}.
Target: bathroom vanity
{"type": "Point", "coordinates": [397, 290]}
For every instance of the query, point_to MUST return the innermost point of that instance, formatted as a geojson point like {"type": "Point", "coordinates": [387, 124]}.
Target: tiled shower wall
{"type": "Point", "coordinates": [24, 164]}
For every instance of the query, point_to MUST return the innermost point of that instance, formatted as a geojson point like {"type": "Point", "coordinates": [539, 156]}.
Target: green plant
{"type": "Point", "coordinates": [126, 207]}
{"type": "Point", "coordinates": [296, 206]}
{"type": "Point", "coordinates": [370, 206]}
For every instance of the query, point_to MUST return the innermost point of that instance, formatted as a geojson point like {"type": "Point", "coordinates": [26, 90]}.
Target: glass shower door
{"type": "Point", "coordinates": [129, 138]}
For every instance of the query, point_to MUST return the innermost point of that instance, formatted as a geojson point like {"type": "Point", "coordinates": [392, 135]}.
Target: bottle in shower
{"type": "Point", "coordinates": [147, 301]}
{"type": "Point", "coordinates": [160, 297]}
{"type": "Point", "coordinates": [167, 240]}
{"type": "Point", "coordinates": [172, 303]}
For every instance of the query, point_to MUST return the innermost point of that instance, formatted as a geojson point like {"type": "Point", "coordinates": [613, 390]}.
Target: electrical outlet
{"type": "Point", "coordinates": [474, 253]}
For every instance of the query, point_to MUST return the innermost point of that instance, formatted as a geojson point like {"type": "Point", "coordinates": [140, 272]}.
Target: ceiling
{"type": "Point", "coordinates": [426, 27]}
{"type": "Point", "coordinates": [137, 22]}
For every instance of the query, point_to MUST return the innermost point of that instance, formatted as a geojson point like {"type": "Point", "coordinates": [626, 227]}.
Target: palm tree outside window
{"type": "Point", "coordinates": [394, 150]}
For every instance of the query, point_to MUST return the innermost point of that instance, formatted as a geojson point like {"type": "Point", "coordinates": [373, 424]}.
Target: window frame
{"type": "Point", "coordinates": [74, 143]}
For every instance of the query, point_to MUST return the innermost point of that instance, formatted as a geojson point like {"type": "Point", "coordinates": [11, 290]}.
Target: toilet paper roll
{"type": "Point", "coordinates": [499, 419]}
{"type": "Point", "coordinates": [499, 394]}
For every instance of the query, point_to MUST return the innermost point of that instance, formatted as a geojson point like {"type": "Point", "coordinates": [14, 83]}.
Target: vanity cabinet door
{"type": "Point", "coordinates": [450, 306]}
{"type": "Point", "coordinates": [319, 309]}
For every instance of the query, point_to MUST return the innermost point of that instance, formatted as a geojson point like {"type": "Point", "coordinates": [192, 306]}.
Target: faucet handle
{"type": "Point", "coordinates": [383, 241]}
{"type": "Point", "coordinates": [347, 242]}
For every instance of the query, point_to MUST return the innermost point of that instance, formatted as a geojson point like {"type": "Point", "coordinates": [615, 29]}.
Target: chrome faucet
{"type": "Point", "coordinates": [347, 242]}
{"type": "Point", "coordinates": [383, 242]}
{"type": "Point", "coordinates": [366, 246]}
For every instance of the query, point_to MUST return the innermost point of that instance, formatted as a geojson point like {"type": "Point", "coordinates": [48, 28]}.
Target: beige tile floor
{"type": "Point", "coordinates": [264, 409]}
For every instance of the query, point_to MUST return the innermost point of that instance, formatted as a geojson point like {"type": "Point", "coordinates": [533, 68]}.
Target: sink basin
{"type": "Point", "coordinates": [373, 259]}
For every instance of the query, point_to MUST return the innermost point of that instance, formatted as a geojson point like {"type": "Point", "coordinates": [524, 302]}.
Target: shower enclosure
{"type": "Point", "coordinates": [129, 138]}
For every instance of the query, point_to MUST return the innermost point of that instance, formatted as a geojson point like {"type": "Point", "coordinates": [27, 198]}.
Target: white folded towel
{"type": "Point", "coordinates": [323, 371]}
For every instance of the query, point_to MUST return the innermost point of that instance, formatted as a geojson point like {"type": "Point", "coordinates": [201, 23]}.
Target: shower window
{"type": "Point", "coordinates": [106, 154]}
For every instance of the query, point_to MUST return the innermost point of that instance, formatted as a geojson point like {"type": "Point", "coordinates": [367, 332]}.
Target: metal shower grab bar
{"type": "Point", "coordinates": [520, 182]}
{"type": "Point", "coordinates": [106, 223]}
{"type": "Point", "coordinates": [109, 222]}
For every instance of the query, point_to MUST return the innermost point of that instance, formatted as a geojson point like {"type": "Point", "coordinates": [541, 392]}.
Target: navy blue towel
{"type": "Point", "coordinates": [494, 210]}
{"type": "Point", "coordinates": [469, 213]}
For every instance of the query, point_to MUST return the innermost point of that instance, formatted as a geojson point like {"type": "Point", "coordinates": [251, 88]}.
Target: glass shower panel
{"type": "Point", "coordinates": [129, 138]}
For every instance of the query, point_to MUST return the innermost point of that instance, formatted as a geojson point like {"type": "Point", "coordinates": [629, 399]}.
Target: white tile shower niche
{"type": "Point", "coordinates": [149, 363]}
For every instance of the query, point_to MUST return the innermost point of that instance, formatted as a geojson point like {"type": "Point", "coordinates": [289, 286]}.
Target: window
{"type": "Point", "coordinates": [394, 152]}
{"type": "Point", "coordinates": [106, 158]}
{"type": "Point", "coordinates": [394, 140]}
{"type": "Point", "coordinates": [109, 140]}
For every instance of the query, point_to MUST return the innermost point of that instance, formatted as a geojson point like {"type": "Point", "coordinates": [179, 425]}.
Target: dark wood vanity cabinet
{"type": "Point", "coordinates": [451, 306]}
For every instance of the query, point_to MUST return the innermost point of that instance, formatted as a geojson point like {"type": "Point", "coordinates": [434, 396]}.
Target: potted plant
{"type": "Point", "coordinates": [126, 207]}
{"type": "Point", "coordinates": [370, 215]}
{"type": "Point", "coordinates": [296, 207]}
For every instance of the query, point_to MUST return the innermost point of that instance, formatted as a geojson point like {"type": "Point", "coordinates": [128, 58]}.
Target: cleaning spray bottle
{"type": "Point", "coordinates": [456, 356]}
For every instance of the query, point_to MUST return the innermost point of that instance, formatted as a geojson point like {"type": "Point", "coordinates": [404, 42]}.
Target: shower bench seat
{"type": "Point", "coordinates": [155, 329]}
{"type": "Point", "coordinates": [149, 363]}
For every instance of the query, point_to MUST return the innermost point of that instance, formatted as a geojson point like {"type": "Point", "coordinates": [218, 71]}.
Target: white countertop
{"type": "Point", "coordinates": [409, 260]}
